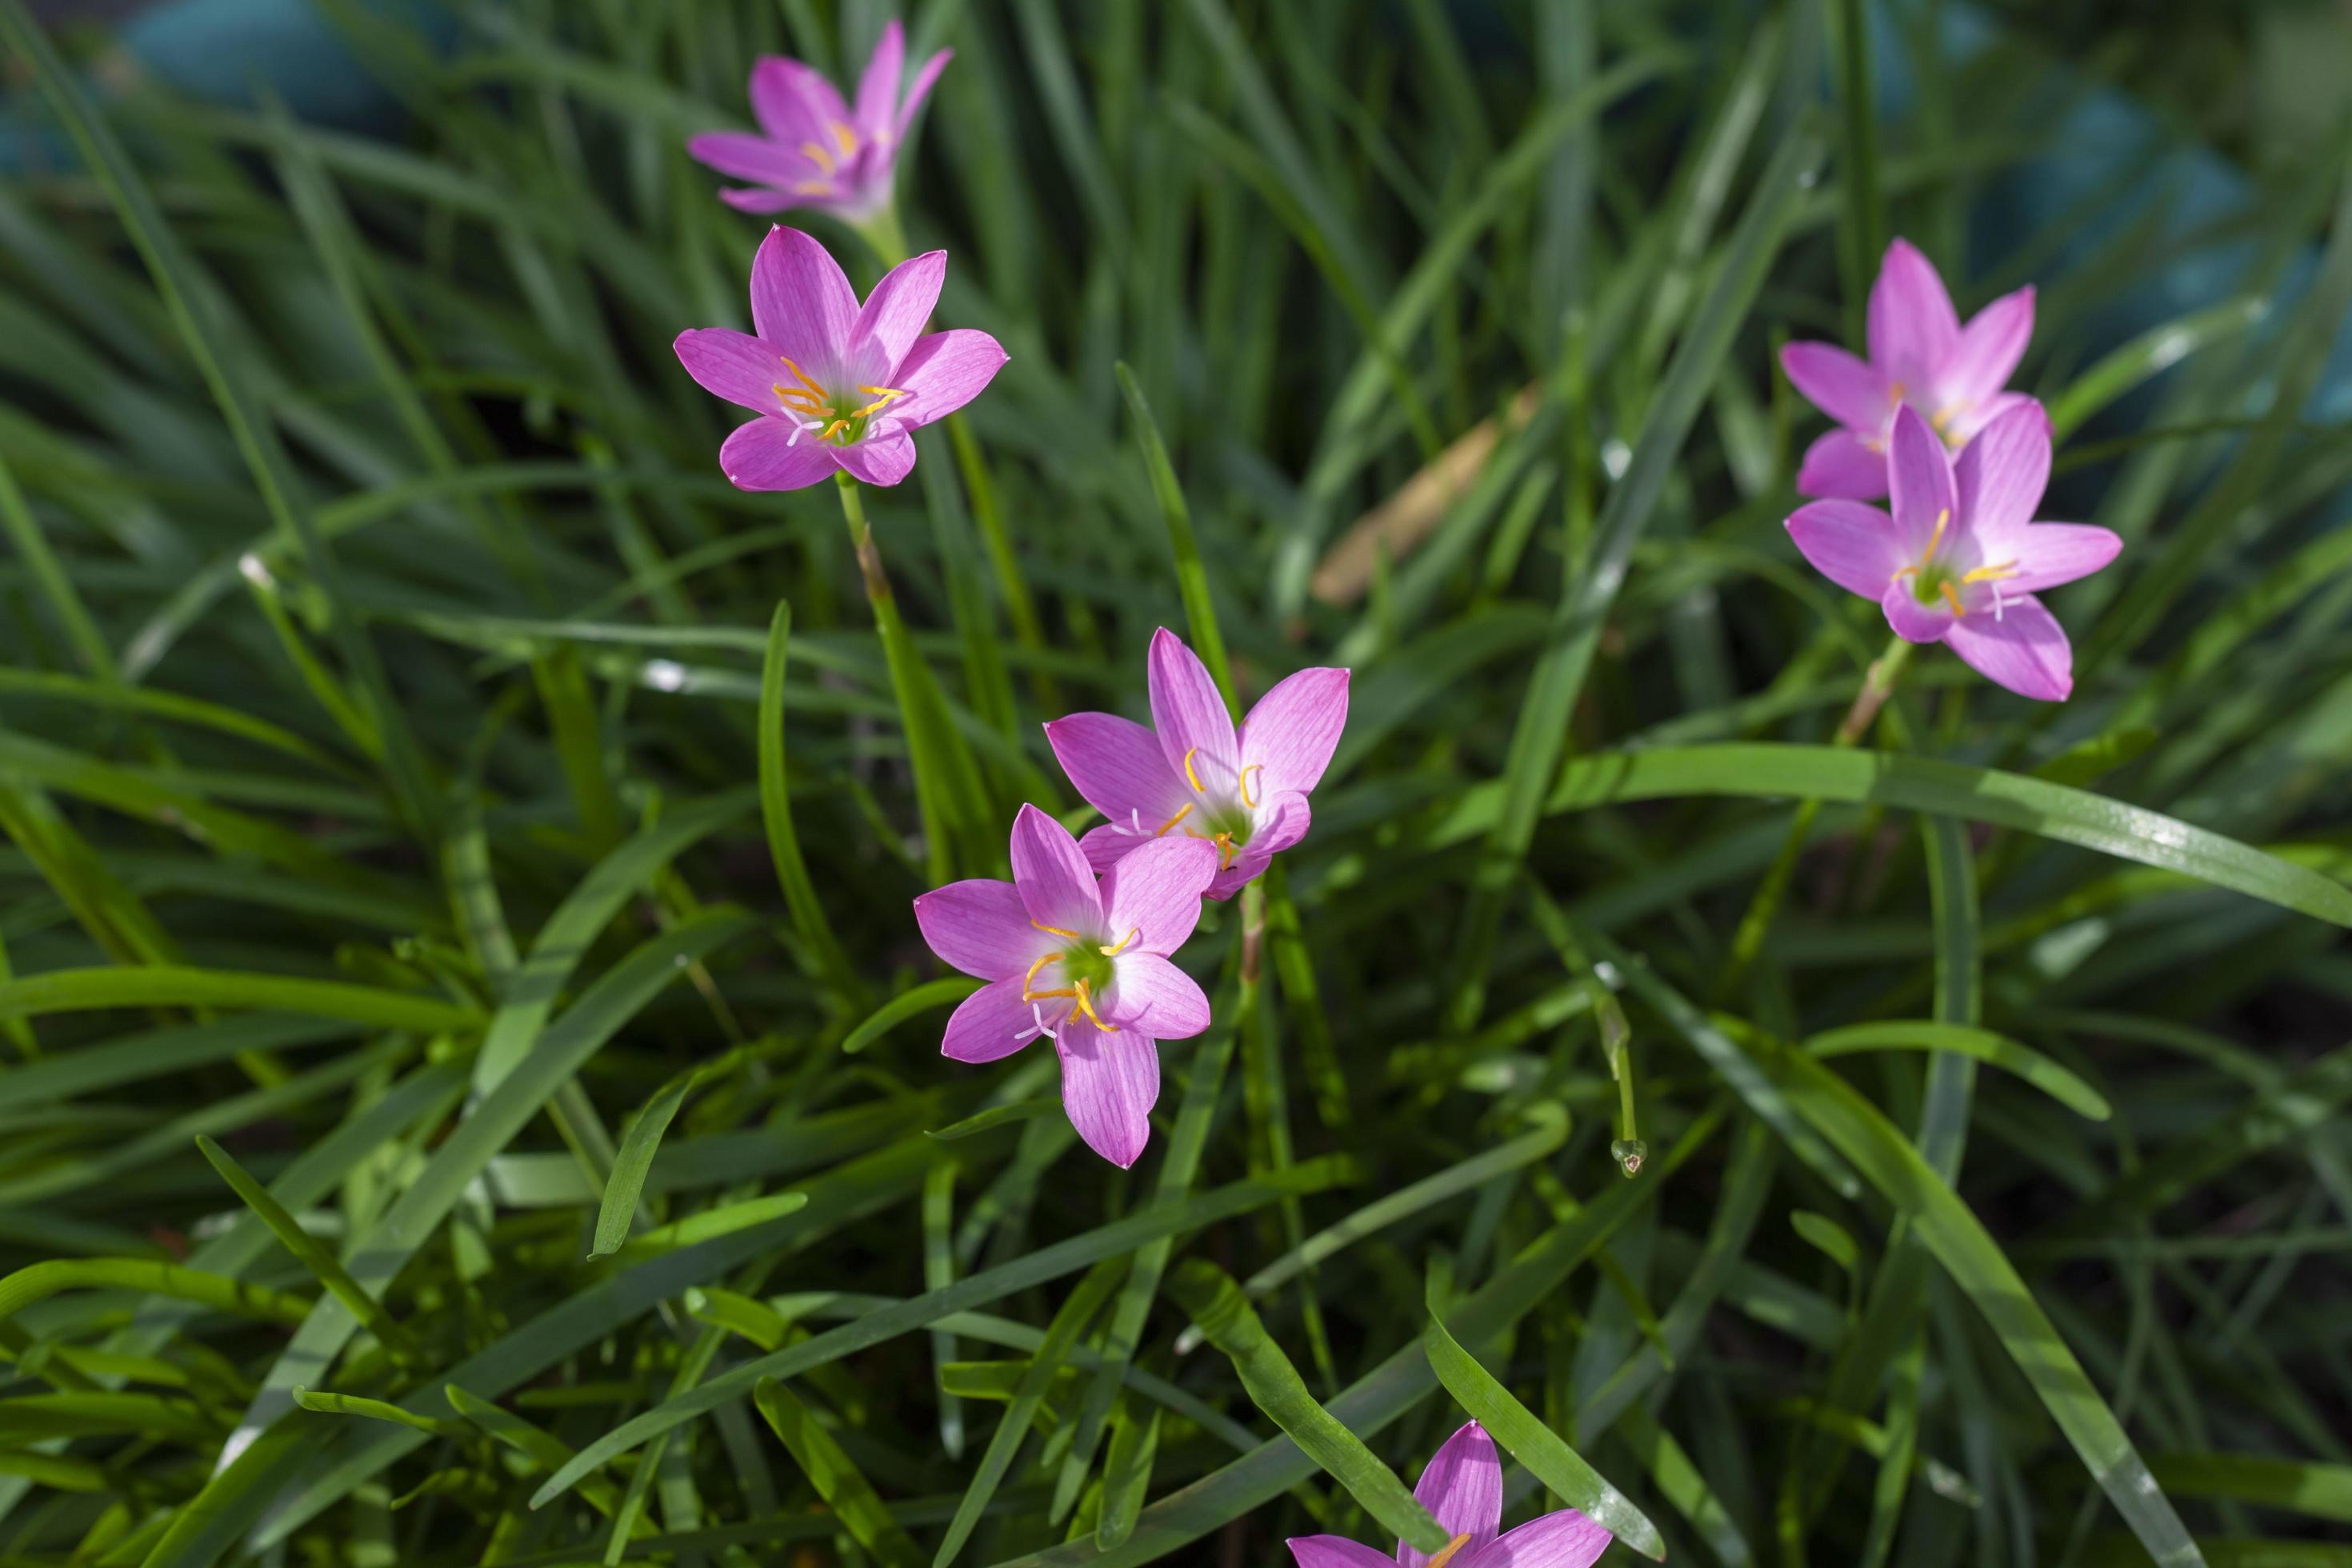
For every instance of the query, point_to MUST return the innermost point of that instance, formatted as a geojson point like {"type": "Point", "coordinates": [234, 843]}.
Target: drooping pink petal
{"type": "Point", "coordinates": [944, 371]}
{"type": "Point", "coordinates": [893, 314]}
{"type": "Point", "coordinates": [2000, 476]}
{"type": "Point", "coordinates": [2024, 650]}
{"type": "Point", "coordinates": [741, 155]}
{"type": "Point", "coordinates": [1986, 351]}
{"type": "Point", "coordinates": [794, 103]}
{"type": "Point", "coordinates": [1282, 821]}
{"type": "Point", "coordinates": [918, 89]}
{"type": "Point", "coordinates": [802, 305]}
{"type": "Point", "coordinates": [1854, 393]}
{"type": "Point", "coordinates": [1841, 465]}
{"type": "Point", "coordinates": [1107, 845]}
{"type": "Point", "coordinates": [1058, 886]}
{"type": "Point", "coordinates": [2049, 553]}
{"type": "Point", "coordinates": [879, 459]}
{"type": "Point", "coordinates": [1911, 620]}
{"type": "Point", "coordinates": [1292, 731]}
{"type": "Point", "coordinates": [1854, 545]}
{"type": "Point", "coordinates": [992, 1022]}
{"type": "Point", "coordinates": [1335, 1552]}
{"type": "Point", "coordinates": [1912, 323]}
{"type": "Point", "coordinates": [1563, 1540]}
{"type": "Point", "coordinates": [1189, 715]}
{"type": "Point", "coordinates": [765, 201]}
{"type": "Point", "coordinates": [763, 456]}
{"type": "Point", "coordinates": [1118, 766]}
{"type": "Point", "coordinates": [878, 88]}
{"type": "Point", "coordinates": [734, 365]}
{"type": "Point", "coordinates": [1153, 893]}
{"type": "Point", "coordinates": [1463, 1488]}
{"type": "Point", "coordinates": [1152, 996]}
{"type": "Point", "coordinates": [1110, 1083]}
{"type": "Point", "coordinates": [981, 927]}
{"type": "Point", "coordinates": [1919, 486]}
{"type": "Point", "coordinates": [1964, 427]}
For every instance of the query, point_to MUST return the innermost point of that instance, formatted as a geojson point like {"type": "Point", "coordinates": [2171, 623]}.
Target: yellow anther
{"type": "Point", "coordinates": [1951, 597]}
{"type": "Point", "coordinates": [1190, 774]}
{"type": "Point", "coordinates": [1943, 521]}
{"type": "Point", "coordinates": [1253, 768]}
{"type": "Point", "coordinates": [1445, 1555]}
{"type": "Point", "coordinates": [1087, 1005]}
{"type": "Point", "coordinates": [2001, 572]}
{"type": "Point", "coordinates": [1127, 943]}
{"type": "Point", "coordinates": [1162, 832]}
{"type": "Point", "coordinates": [1057, 931]}
{"type": "Point", "coordinates": [1026, 980]}
{"type": "Point", "coordinates": [819, 393]}
{"type": "Point", "coordinates": [1894, 390]}
{"type": "Point", "coordinates": [887, 393]}
{"type": "Point", "coordinates": [1225, 851]}
{"type": "Point", "coordinates": [829, 431]}
{"type": "Point", "coordinates": [812, 187]}
{"type": "Point", "coordinates": [845, 137]}
{"type": "Point", "coordinates": [819, 156]}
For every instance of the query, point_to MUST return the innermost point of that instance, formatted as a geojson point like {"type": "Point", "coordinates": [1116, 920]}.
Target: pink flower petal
{"type": "Point", "coordinates": [2025, 650]}
{"type": "Point", "coordinates": [945, 371]}
{"type": "Point", "coordinates": [1988, 350]}
{"type": "Point", "coordinates": [1335, 1551]}
{"type": "Point", "coordinates": [763, 456]}
{"type": "Point", "coordinates": [1110, 1083]}
{"type": "Point", "coordinates": [879, 459]}
{"type": "Point", "coordinates": [1463, 1488]}
{"type": "Point", "coordinates": [2000, 476]}
{"type": "Point", "coordinates": [1292, 731]}
{"type": "Point", "coordinates": [2049, 553]}
{"type": "Point", "coordinates": [1912, 324]}
{"type": "Point", "coordinates": [1963, 426]}
{"type": "Point", "coordinates": [981, 927]}
{"type": "Point", "coordinates": [1189, 715]}
{"type": "Point", "coordinates": [992, 1022]}
{"type": "Point", "coordinates": [741, 155]}
{"type": "Point", "coordinates": [794, 103]}
{"type": "Point", "coordinates": [1911, 620]}
{"type": "Point", "coordinates": [1105, 846]}
{"type": "Point", "coordinates": [1118, 766]}
{"type": "Point", "coordinates": [802, 305]}
{"type": "Point", "coordinates": [765, 201]}
{"type": "Point", "coordinates": [878, 88]}
{"type": "Point", "coordinates": [1848, 390]}
{"type": "Point", "coordinates": [1854, 545]}
{"type": "Point", "coordinates": [1563, 1540]}
{"type": "Point", "coordinates": [1919, 487]}
{"type": "Point", "coordinates": [1150, 995]}
{"type": "Point", "coordinates": [893, 314]}
{"type": "Point", "coordinates": [1841, 465]}
{"type": "Point", "coordinates": [1282, 820]}
{"type": "Point", "coordinates": [734, 365]}
{"type": "Point", "coordinates": [1058, 886]}
{"type": "Point", "coordinates": [1155, 891]}
{"type": "Point", "coordinates": [918, 90]}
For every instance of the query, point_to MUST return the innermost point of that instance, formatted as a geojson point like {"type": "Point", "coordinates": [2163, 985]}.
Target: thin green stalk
{"type": "Point", "coordinates": [905, 663]}
{"type": "Point", "coordinates": [1191, 576]}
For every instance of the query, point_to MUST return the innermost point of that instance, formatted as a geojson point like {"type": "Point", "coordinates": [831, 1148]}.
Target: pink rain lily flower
{"type": "Point", "coordinates": [1085, 963]}
{"type": "Point", "coordinates": [1920, 357]}
{"type": "Point", "coordinates": [814, 151]}
{"type": "Point", "coordinates": [837, 385]}
{"type": "Point", "coordinates": [1463, 1488]}
{"type": "Point", "coordinates": [1961, 558]}
{"type": "Point", "coordinates": [1197, 777]}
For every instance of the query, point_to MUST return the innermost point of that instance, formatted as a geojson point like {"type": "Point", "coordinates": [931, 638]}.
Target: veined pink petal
{"type": "Point", "coordinates": [918, 90]}
{"type": "Point", "coordinates": [2001, 475]}
{"type": "Point", "coordinates": [992, 1022]}
{"type": "Point", "coordinates": [794, 103]}
{"type": "Point", "coordinates": [1335, 1551]}
{"type": "Point", "coordinates": [2049, 553]}
{"type": "Point", "coordinates": [1109, 1084]}
{"type": "Point", "coordinates": [1292, 731]}
{"type": "Point", "coordinates": [878, 88]}
{"type": "Point", "coordinates": [1563, 1540]}
{"type": "Point", "coordinates": [1919, 486]}
{"type": "Point", "coordinates": [1118, 766]}
{"type": "Point", "coordinates": [944, 371]}
{"type": "Point", "coordinates": [1912, 324]}
{"type": "Point", "coordinates": [1854, 545]}
{"type": "Point", "coordinates": [1911, 620]}
{"type": "Point", "coordinates": [1058, 886]}
{"type": "Point", "coordinates": [1463, 1488]}
{"type": "Point", "coordinates": [1107, 845]}
{"type": "Point", "coordinates": [1986, 351]}
{"type": "Point", "coordinates": [1854, 394]}
{"type": "Point", "coordinates": [878, 460]}
{"type": "Point", "coordinates": [1963, 426]}
{"type": "Point", "coordinates": [1151, 996]}
{"type": "Point", "coordinates": [1189, 715]}
{"type": "Point", "coordinates": [1282, 821]}
{"type": "Point", "coordinates": [741, 155]}
{"type": "Point", "coordinates": [981, 927]}
{"type": "Point", "coordinates": [1153, 894]}
{"type": "Point", "coordinates": [734, 365]}
{"type": "Point", "coordinates": [893, 314]}
{"type": "Point", "coordinates": [1841, 465]}
{"type": "Point", "coordinates": [763, 456]}
{"type": "Point", "coordinates": [802, 305]}
{"type": "Point", "coordinates": [2024, 650]}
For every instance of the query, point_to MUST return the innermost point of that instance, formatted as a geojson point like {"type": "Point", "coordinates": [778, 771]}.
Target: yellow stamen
{"type": "Point", "coordinates": [1029, 995]}
{"type": "Point", "coordinates": [886, 393]}
{"type": "Point", "coordinates": [1057, 931]}
{"type": "Point", "coordinates": [819, 393]}
{"type": "Point", "coordinates": [2001, 572]}
{"type": "Point", "coordinates": [1446, 1555]}
{"type": "Point", "coordinates": [1123, 946]}
{"type": "Point", "coordinates": [1225, 851]}
{"type": "Point", "coordinates": [1943, 521]}
{"type": "Point", "coordinates": [1087, 1005]}
{"type": "Point", "coordinates": [1189, 774]}
{"type": "Point", "coordinates": [827, 434]}
{"type": "Point", "coordinates": [847, 137]}
{"type": "Point", "coordinates": [1951, 597]}
{"type": "Point", "coordinates": [1253, 768]}
{"type": "Point", "coordinates": [1162, 831]}
{"type": "Point", "coordinates": [812, 188]}
{"type": "Point", "coordinates": [819, 156]}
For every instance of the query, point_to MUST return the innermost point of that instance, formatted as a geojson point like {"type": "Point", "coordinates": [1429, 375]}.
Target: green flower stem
{"type": "Point", "coordinates": [906, 681]}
